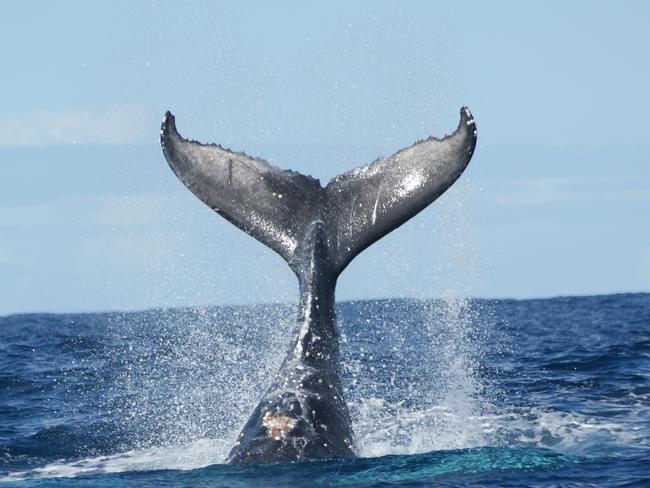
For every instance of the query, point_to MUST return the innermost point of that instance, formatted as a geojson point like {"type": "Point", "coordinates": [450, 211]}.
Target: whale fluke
{"type": "Point", "coordinates": [358, 207]}
{"type": "Point", "coordinates": [369, 202]}
{"type": "Point", "coordinates": [318, 231]}
{"type": "Point", "coordinates": [272, 205]}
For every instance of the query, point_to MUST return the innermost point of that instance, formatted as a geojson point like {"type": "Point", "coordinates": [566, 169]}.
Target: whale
{"type": "Point", "coordinates": [318, 230]}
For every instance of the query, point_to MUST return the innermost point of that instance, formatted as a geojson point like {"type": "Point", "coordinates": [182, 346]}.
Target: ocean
{"type": "Point", "coordinates": [445, 392]}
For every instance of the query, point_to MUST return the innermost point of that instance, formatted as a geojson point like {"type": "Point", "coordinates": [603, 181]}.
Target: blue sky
{"type": "Point", "coordinates": [555, 201]}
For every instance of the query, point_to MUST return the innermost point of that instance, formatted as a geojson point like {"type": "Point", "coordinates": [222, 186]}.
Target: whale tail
{"type": "Point", "coordinates": [359, 207]}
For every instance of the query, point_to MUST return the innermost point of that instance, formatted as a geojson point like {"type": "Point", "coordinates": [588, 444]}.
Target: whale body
{"type": "Point", "coordinates": [318, 231]}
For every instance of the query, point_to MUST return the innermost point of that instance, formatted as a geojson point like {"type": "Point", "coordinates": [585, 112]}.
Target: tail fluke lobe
{"type": "Point", "coordinates": [369, 202]}
{"type": "Point", "coordinates": [358, 208]}
{"type": "Point", "coordinates": [272, 205]}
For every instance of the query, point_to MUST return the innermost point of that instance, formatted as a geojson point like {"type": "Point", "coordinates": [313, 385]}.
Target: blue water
{"type": "Point", "coordinates": [552, 392]}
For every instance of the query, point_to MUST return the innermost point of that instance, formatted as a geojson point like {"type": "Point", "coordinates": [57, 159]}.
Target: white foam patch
{"type": "Point", "coordinates": [572, 432]}
{"type": "Point", "coordinates": [197, 454]}
{"type": "Point", "coordinates": [386, 429]}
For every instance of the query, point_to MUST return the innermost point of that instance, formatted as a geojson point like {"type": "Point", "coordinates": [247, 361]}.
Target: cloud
{"type": "Point", "coordinates": [121, 124]}
{"type": "Point", "coordinates": [82, 212]}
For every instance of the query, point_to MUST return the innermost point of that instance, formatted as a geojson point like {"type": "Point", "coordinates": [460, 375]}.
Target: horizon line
{"type": "Point", "coordinates": [338, 302]}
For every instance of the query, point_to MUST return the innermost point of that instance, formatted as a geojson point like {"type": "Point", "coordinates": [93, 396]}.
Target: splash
{"type": "Point", "coordinates": [189, 374]}
{"type": "Point", "coordinates": [409, 369]}
{"type": "Point", "coordinates": [419, 390]}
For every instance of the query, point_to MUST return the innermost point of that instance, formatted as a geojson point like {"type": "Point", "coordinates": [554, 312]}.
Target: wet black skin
{"type": "Point", "coordinates": [308, 388]}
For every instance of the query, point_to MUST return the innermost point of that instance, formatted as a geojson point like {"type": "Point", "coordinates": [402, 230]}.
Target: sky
{"type": "Point", "coordinates": [556, 200]}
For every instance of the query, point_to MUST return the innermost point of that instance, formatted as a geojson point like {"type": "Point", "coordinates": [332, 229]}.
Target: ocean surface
{"type": "Point", "coordinates": [447, 392]}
